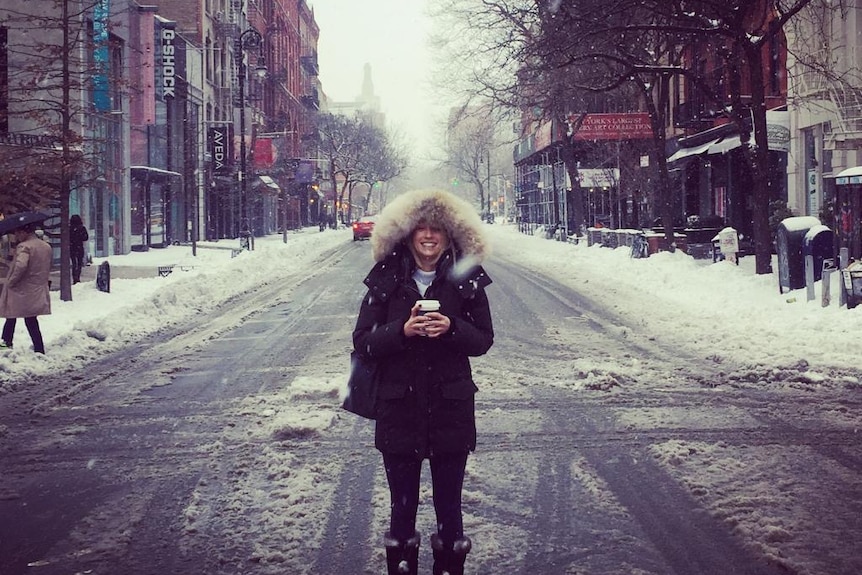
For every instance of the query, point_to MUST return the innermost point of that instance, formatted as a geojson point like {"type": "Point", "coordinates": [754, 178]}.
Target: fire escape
{"type": "Point", "coordinates": [848, 103]}
{"type": "Point", "coordinates": [310, 97]}
{"type": "Point", "coordinates": [844, 99]}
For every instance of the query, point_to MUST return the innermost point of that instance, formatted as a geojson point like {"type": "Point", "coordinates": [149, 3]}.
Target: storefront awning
{"type": "Point", "coordinates": [717, 146]}
{"type": "Point", "coordinates": [692, 151]}
{"type": "Point", "coordinates": [849, 176]}
{"type": "Point", "coordinates": [143, 172]}
{"type": "Point", "coordinates": [724, 145]}
{"type": "Point", "coordinates": [725, 137]}
{"type": "Point", "coordinates": [270, 183]}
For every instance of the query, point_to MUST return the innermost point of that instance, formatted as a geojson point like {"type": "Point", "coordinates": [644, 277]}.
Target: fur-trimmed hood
{"type": "Point", "coordinates": [437, 207]}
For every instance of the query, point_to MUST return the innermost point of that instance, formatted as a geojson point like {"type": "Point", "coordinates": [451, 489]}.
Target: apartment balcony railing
{"type": "Point", "coordinates": [278, 76]}
{"type": "Point", "coordinates": [843, 91]}
{"type": "Point", "coordinates": [848, 101]}
{"type": "Point", "coordinates": [227, 29]}
{"type": "Point", "coordinates": [311, 101]}
{"type": "Point", "coordinates": [810, 84]}
{"type": "Point", "coordinates": [309, 64]}
{"type": "Point", "coordinates": [846, 133]}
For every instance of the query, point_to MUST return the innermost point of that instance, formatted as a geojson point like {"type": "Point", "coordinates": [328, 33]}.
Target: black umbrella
{"type": "Point", "coordinates": [15, 221]}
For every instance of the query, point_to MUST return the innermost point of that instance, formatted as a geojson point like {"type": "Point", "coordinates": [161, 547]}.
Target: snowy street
{"type": "Point", "coordinates": [609, 442]}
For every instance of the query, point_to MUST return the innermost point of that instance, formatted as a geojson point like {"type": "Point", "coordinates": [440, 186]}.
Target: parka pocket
{"type": "Point", "coordinates": [458, 389]}
{"type": "Point", "coordinates": [392, 391]}
{"type": "Point", "coordinates": [396, 406]}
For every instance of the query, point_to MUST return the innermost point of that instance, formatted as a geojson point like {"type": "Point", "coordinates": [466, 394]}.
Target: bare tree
{"type": "Point", "coordinates": [382, 160]}
{"type": "Point", "coordinates": [359, 152]}
{"type": "Point", "coordinates": [336, 146]}
{"type": "Point", "coordinates": [824, 77]}
{"type": "Point", "coordinates": [470, 143]}
{"type": "Point", "coordinates": [556, 61]}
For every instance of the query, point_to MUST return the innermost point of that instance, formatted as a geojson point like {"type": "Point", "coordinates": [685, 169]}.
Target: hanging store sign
{"type": "Point", "coordinates": [169, 63]}
{"type": "Point", "coordinates": [597, 177]}
{"type": "Point", "coordinates": [611, 126]}
{"type": "Point", "coordinates": [544, 135]}
{"type": "Point", "coordinates": [220, 150]}
{"type": "Point", "coordinates": [778, 130]}
{"type": "Point", "coordinates": [171, 59]}
{"type": "Point", "coordinates": [305, 172]}
{"type": "Point", "coordinates": [266, 152]}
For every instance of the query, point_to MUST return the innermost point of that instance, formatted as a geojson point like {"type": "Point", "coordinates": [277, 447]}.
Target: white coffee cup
{"type": "Point", "coordinates": [428, 305]}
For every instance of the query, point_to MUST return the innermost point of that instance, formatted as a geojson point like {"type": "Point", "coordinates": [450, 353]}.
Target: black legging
{"type": "Point", "coordinates": [32, 324]}
{"type": "Point", "coordinates": [447, 480]}
{"type": "Point", "coordinates": [77, 256]}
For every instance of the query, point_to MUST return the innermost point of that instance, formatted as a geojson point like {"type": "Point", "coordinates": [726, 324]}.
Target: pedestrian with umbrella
{"type": "Point", "coordinates": [25, 293]}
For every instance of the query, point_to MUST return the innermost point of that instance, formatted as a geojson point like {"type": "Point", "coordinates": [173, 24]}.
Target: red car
{"type": "Point", "coordinates": [363, 227]}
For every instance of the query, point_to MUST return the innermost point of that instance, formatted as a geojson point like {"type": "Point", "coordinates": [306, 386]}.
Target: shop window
{"type": "Point", "coordinates": [209, 56]}
{"type": "Point", "coordinates": [116, 73]}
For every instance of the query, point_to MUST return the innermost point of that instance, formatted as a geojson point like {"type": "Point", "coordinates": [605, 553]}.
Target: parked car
{"type": "Point", "coordinates": [363, 227]}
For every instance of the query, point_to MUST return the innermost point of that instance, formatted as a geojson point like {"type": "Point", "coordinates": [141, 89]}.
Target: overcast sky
{"type": "Point", "coordinates": [391, 35]}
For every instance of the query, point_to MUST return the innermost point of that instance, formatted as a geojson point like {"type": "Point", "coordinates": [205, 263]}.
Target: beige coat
{"type": "Point", "coordinates": [26, 291]}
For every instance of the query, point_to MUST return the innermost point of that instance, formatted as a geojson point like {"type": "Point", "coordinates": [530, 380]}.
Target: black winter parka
{"type": "Point", "coordinates": [426, 388]}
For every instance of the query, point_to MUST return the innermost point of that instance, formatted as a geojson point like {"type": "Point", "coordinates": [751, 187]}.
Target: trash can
{"type": "Point", "coordinates": [788, 244]}
{"type": "Point", "coordinates": [819, 243]}
{"type": "Point", "coordinates": [852, 276]}
{"type": "Point", "coordinates": [103, 277]}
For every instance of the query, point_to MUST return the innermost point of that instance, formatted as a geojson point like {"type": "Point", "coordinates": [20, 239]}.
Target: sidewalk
{"type": "Point", "coordinates": [147, 263]}
{"type": "Point", "coordinates": [88, 273]}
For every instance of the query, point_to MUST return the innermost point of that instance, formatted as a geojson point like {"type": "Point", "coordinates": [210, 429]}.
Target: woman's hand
{"type": "Point", "coordinates": [436, 324]}
{"type": "Point", "coordinates": [432, 324]}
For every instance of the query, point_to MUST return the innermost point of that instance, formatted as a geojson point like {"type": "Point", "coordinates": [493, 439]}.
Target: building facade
{"type": "Point", "coordinates": [157, 122]}
{"type": "Point", "coordinates": [63, 102]}
{"type": "Point", "coordinates": [710, 173]}
{"type": "Point", "coordinates": [706, 154]}
{"type": "Point", "coordinates": [825, 107]}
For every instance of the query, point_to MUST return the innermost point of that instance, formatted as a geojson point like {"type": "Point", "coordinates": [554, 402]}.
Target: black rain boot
{"type": "Point", "coordinates": [450, 561]}
{"type": "Point", "coordinates": [402, 558]}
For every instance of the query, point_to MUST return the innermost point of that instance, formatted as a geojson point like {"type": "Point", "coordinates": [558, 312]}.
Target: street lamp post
{"type": "Point", "coordinates": [249, 38]}
{"type": "Point", "coordinates": [502, 184]}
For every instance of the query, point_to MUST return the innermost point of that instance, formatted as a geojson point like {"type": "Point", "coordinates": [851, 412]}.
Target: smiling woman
{"type": "Point", "coordinates": [428, 245]}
